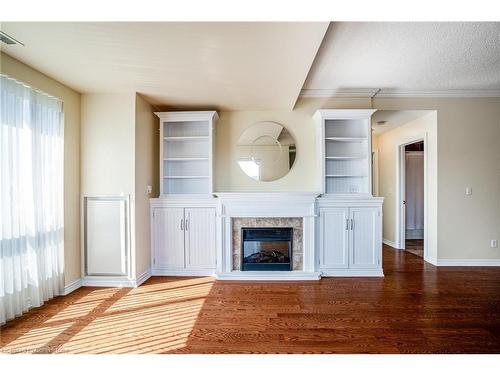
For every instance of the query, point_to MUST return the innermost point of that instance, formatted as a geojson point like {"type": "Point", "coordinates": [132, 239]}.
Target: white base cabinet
{"type": "Point", "coordinates": [350, 237]}
{"type": "Point", "coordinates": [186, 237]}
{"type": "Point", "coordinates": [183, 238]}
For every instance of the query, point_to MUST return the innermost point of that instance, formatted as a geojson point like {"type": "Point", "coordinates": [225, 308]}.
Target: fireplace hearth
{"type": "Point", "coordinates": [266, 249]}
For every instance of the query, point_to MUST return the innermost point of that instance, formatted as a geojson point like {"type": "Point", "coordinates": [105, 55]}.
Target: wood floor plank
{"type": "Point", "coordinates": [415, 308]}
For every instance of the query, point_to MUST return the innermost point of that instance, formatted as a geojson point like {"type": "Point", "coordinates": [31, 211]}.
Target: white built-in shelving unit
{"type": "Point", "coordinates": [186, 152]}
{"type": "Point", "coordinates": [349, 217]}
{"type": "Point", "coordinates": [345, 151]}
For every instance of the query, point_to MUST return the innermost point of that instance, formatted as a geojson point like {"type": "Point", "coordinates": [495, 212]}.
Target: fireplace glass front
{"type": "Point", "coordinates": [266, 249]}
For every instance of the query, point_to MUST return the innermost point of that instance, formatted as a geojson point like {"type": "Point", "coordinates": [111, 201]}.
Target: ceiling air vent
{"type": "Point", "coordinates": [7, 39]}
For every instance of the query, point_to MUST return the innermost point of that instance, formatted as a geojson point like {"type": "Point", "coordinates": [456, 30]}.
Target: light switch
{"type": "Point", "coordinates": [468, 190]}
{"type": "Point", "coordinates": [149, 189]}
{"type": "Point", "coordinates": [494, 244]}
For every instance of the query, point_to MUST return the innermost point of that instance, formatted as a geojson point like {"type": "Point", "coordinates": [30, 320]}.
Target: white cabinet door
{"type": "Point", "coordinates": [364, 244]}
{"type": "Point", "coordinates": [169, 238]}
{"type": "Point", "coordinates": [200, 238]}
{"type": "Point", "coordinates": [334, 238]}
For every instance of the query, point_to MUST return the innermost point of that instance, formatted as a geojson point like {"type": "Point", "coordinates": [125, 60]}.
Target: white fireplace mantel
{"type": "Point", "coordinates": [268, 204]}
{"type": "Point", "coordinates": [276, 205]}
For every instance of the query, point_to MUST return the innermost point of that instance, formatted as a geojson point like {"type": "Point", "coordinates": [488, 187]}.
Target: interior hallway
{"type": "Point", "coordinates": [415, 247]}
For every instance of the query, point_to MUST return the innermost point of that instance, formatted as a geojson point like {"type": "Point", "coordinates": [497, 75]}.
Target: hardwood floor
{"type": "Point", "coordinates": [415, 247]}
{"type": "Point", "coordinates": [416, 308]}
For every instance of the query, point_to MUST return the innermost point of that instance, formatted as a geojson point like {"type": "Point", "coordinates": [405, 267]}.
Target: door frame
{"type": "Point", "coordinates": [401, 191]}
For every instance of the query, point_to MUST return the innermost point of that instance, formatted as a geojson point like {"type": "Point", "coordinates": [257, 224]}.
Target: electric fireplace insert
{"type": "Point", "coordinates": [266, 249]}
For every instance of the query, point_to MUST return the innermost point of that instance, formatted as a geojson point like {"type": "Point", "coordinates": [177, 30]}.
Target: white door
{"type": "Point", "coordinates": [334, 229]}
{"type": "Point", "coordinates": [200, 238]}
{"type": "Point", "coordinates": [169, 238]}
{"type": "Point", "coordinates": [364, 246]}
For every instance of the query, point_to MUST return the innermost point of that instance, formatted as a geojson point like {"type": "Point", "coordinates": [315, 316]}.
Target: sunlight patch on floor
{"type": "Point", "coordinates": [154, 318]}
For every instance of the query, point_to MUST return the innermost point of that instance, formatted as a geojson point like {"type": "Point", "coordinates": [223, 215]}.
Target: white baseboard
{"type": "Point", "coordinates": [71, 287]}
{"type": "Point", "coordinates": [389, 243]}
{"type": "Point", "coordinates": [468, 263]}
{"type": "Point", "coordinates": [269, 275]}
{"type": "Point", "coordinates": [352, 273]}
{"type": "Point", "coordinates": [432, 261]}
{"type": "Point", "coordinates": [143, 277]}
{"type": "Point", "coordinates": [109, 281]}
{"type": "Point", "coordinates": [160, 272]}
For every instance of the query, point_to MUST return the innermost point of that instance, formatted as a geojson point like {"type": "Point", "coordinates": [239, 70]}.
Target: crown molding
{"type": "Point", "coordinates": [347, 93]}
{"type": "Point", "coordinates": [438, 93]}
{"type": "Point", "coordinates": [394, 93]}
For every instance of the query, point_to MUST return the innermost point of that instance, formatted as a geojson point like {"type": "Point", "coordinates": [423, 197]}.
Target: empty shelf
{"type": "Point", "coordinates": [185, 177]}
{"type": "Point", "coordinates": [191, 138]}
{"type": "Point", "coordinates": [345, 175]}
{"type": "Point", "coordinates": [185, 159]}
{"type": "Point", "coordinates": [345, 157]}
{"type": "Point", "coordinates": [346, 139]}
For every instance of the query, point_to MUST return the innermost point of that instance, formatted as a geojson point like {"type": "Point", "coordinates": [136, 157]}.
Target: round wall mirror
{"type": "Point", "coordinates": [266, 151]}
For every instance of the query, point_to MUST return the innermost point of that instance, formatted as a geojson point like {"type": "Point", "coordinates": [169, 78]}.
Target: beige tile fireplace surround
{"type": "Point", "coordinates": [295, 223]}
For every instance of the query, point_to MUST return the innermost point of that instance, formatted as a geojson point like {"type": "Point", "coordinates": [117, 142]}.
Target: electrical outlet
{"type": "Point", "coordinates": [468, 191]}
{"type": "Point", "coordinates": [494, 244]}
{"type": "Point", "coordinates": [149, 189]}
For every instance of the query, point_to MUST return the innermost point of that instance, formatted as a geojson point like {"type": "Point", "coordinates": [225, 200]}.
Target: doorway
{"type": "Point", "coordinates": [412, 196]}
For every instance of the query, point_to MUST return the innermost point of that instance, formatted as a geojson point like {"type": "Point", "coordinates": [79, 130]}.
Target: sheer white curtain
{"type": "Point", "coordinates": [31, 198]}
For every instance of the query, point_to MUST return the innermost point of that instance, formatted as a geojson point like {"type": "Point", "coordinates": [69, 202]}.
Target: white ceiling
{"type": "Point", "coordinates": [226, 66]}
{"type": "Point", "coordinates": [263, 66]}
{"type": "Point", "coordinates": [394, 119]}
{"type": "Point", "coordinates": [408, 59]}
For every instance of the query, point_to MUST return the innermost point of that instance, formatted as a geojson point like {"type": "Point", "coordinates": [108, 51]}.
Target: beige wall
{"type": "Point", "coordinates": [388, 146]}
{"type": "Point", "coordinates": [468, 155]}
{"type": "Point", "coordinates": [71, 99]}
{"type": "Point", "coordinates": [115, 146]}
{"type": "Point", "coordinates": [305, 171]}
{"type": "Point", "coordinates": [108, 141]}
{"type": "Point", "coordinates": [146, 173]}
{"type": "Point", "coordinates": [375, 141]}
{"type": "Point", "coordinates": [120, 157]}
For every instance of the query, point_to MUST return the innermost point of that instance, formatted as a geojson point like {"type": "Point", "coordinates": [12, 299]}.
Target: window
{"type": "Point", "coordinates": [31, 198]}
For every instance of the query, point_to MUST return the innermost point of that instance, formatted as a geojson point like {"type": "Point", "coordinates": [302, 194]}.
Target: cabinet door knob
{"type": "Point", "coordinates": [352, 224]}
{"type": "Point", "coordinates": [182, 224]}
{"type": "Point", "coordinates": [346, 224]}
